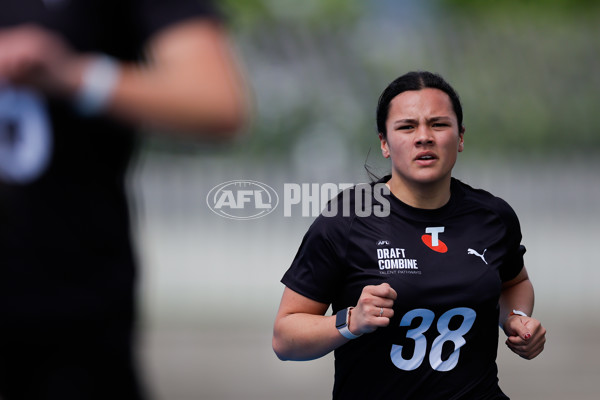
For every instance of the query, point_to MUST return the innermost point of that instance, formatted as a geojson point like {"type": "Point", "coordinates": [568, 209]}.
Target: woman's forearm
{"type": "Point", "coordinates": [302, 336]}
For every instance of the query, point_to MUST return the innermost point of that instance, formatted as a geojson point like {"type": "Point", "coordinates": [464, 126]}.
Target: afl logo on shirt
{"type": "Point", "coordinates": [25, 136]}
{"type": "Point", "coordinates": [432, 240]}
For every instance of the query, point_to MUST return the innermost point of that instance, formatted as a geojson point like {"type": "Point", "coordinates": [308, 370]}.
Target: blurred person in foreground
{"type": "Point", "coordinates": [419, 268]}
{"type": "Point", "coordinates": [77, 77]}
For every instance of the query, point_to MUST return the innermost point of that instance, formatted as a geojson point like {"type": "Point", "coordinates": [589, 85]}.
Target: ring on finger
{"type": "Point", "coordinates": [380, 311]}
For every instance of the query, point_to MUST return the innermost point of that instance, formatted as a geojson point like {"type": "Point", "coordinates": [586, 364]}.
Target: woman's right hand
{"type": "Point", "coordinates": [373, 310]}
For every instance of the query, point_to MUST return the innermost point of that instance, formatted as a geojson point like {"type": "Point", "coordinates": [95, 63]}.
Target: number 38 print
{"type": "Point", "coordinates": [417, 334]}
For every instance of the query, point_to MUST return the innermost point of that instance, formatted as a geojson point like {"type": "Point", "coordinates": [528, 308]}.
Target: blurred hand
{"type": "Point", "coordinates": [38, 58]}
{"type": "Point", "coordinates": [526, 336]}
{"type": "Point", "coordinates": [367, 316]}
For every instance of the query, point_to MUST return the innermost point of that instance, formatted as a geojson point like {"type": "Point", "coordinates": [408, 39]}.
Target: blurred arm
{"type": "Point", "coordinates": [191, 82]}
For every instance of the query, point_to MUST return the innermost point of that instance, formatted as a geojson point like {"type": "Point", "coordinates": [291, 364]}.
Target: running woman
{"type": "Point", "coordinates": [418, 292]}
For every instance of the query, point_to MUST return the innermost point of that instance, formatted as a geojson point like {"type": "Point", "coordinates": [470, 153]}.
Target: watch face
{"type": "Point", "coordinates": [341, 318]}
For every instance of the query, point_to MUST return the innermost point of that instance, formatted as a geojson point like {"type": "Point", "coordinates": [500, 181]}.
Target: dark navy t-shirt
{"type": "Point", "coordinates": [447, 266]}
{"type": "Point", "coordinates": [65, 249]}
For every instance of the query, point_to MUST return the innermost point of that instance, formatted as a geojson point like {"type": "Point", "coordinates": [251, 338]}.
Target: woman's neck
{"type": "Point", "coordinates": [428, 196]}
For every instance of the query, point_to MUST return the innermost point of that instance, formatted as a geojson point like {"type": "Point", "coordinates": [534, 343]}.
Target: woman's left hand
{"type": "Point", "coordinates": [526, 336]}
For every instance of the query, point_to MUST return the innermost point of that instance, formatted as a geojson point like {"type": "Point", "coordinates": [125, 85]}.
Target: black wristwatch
{"type": "Point", "coordinates": [342, 320]}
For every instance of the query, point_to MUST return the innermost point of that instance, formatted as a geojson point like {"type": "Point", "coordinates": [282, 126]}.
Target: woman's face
{"type": "Point", "coordinates": [423, 137]}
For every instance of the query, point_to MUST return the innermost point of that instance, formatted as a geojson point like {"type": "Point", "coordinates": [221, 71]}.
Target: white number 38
{"type": "Point", "coordinates": [445, 335]}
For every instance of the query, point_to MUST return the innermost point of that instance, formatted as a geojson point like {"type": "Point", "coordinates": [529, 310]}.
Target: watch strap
{"type": "Point", "coordinates": [342, 322]}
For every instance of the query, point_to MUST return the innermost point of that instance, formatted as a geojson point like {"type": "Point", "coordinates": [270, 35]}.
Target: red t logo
{"type": "Point", "coordinates": [432, 241]}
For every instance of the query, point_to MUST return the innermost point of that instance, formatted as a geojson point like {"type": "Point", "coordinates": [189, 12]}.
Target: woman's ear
{"type": "Point", "coordinates": [461, 139]}
{"type": "Point", "coordinates": [385, 151]}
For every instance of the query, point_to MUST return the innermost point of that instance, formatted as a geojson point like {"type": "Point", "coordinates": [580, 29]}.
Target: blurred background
{"type": "Point", "coordinates": [527, 73]}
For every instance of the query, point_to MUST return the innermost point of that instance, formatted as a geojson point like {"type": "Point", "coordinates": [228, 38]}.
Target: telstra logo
{"type": "Point", "coordinates": [432, 239]}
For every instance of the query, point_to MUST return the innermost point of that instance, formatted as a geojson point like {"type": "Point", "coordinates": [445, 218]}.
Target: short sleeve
{"type": "Point", "coordinates": [318, 265]}
{"type": "Point", "coordinates": [155, 15]}
{"type": "Point", "coordinates": [513, 261]}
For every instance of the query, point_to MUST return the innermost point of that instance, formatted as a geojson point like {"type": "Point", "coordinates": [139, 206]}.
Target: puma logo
{"type": "Point", "coordinates": [475, 253]}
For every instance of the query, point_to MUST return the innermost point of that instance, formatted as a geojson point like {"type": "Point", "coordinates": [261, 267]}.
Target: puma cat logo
{"type": "Point", "coordinates": [475, 253]}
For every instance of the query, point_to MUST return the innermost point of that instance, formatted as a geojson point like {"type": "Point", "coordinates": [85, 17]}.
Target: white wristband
{"type": "Point", "coordinates": [97, 85]}
{"type": "Point", "coordinates": [514, 312]}
{"type": "Point", "coordinates": [518, 312]}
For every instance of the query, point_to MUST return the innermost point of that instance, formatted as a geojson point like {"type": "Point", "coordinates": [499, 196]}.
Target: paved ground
{"type": "Point", "coordinates": [228, 364]}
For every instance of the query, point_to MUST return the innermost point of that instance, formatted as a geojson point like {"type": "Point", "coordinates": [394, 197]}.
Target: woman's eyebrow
{"type": "Point", "coordinates": [444, 118]}
{"type": "Point", "coordinates": [405, 121]}
{"type": "Point", "coordinates": [439, 118]}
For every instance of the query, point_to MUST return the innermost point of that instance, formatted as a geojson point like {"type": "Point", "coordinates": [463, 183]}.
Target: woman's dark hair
{"type": "Point", "coordinates": [415, 80]}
